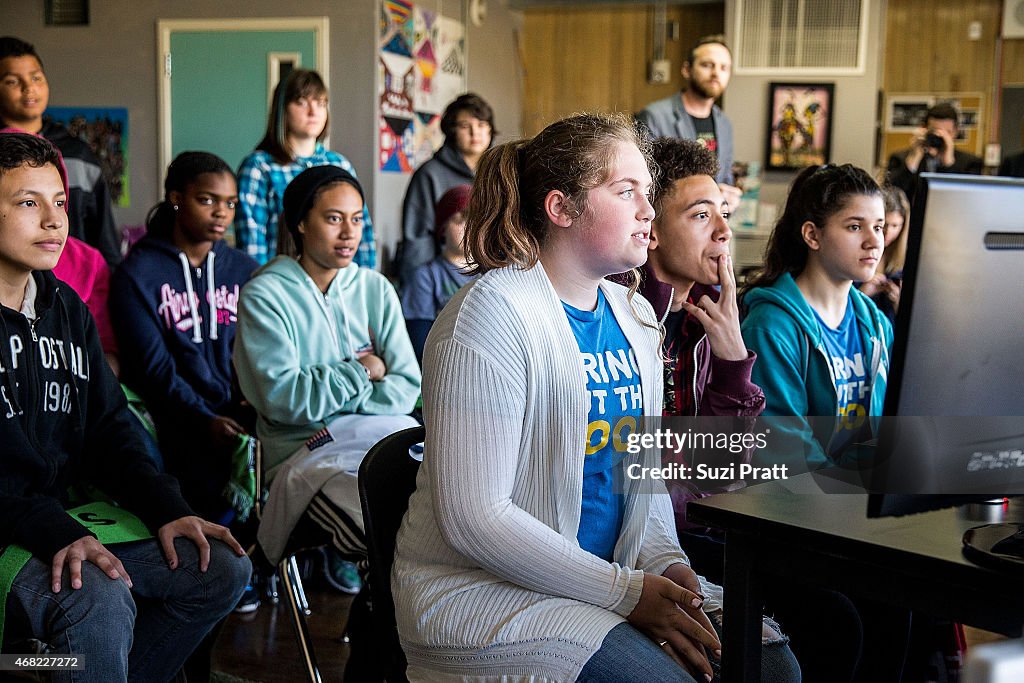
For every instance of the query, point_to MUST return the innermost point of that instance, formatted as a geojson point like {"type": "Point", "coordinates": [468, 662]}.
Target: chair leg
{"type": "Point", "coordinates": [271, 589]}
{"type": "Point", "coordinates": [293, 566]}
{"type": "Point", "coordinates": [299, 608]}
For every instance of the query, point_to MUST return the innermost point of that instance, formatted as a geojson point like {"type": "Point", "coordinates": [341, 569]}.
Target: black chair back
{"type": "Point", "coordinates": [387, 478]}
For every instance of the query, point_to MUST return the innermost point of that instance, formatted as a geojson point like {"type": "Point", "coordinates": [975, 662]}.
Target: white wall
{"type": "Point", "coordinates": [112, 62]}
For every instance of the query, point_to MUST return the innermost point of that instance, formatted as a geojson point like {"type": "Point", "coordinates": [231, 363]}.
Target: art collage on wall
{"type": "Point", "coordinates": [422, 67]}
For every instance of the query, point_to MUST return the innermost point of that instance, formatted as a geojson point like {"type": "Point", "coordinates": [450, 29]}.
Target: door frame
{"type": "Point", "coordinates": [320, 26]}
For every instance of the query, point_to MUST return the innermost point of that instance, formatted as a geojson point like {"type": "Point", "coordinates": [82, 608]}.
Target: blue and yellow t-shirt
{"type": "Point", "coordinates": [845, 350]}
{"type": "Point", "coordinates": [616, 406]}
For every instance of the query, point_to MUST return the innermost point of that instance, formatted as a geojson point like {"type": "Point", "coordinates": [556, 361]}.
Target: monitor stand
{"type": "Point", "coordinates": [999, 546]}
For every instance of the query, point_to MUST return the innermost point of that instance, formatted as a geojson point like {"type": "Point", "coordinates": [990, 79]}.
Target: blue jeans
{"type": "Point", "coordinates": [628, 656]}
{"type": "Point", "coordinates": [144, 633]}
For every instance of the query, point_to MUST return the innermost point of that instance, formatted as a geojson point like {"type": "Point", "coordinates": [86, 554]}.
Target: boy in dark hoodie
{"type": "Point", "coordinates": [707, 373]}
{"type": "Point", "coordinates": [72, 577]}
{"type": "Point", "coordinates": [174, 304]}
{"type": "Point", "coordinates": [688, 278]}
{"type": "Point", "coordinates": [468, 127]}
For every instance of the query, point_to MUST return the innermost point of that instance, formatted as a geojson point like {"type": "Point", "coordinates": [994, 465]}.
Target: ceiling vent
{"type": "Point", "coordinates": [67, 12]}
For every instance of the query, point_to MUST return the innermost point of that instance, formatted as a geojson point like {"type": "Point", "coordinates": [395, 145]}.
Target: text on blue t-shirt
{"type": "Point", "coordinates": [616, 405]}
{"type": "Point", "coordinates": [845, 350]}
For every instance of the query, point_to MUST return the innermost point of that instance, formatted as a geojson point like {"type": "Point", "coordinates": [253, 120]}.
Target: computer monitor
{"type": "Point", "coordinates": [953, 426]}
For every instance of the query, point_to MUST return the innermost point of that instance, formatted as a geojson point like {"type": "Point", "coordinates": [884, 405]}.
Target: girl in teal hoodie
{"type": "Point", "coordinates": [822, 360]}
{"type": "Point", "coordinates": [323, 355]}
{"type": "Point", "coordinates": [822, 346]}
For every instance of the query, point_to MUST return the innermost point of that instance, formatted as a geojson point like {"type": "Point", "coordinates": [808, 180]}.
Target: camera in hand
{"type": "Point", "coordinates": [934, 141]}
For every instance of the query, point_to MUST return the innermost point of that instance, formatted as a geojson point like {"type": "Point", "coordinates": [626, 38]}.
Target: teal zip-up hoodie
{"type": "Point", "coordinates": [297, 350]}
{"type": "Point", "coordinates": [794, 371]}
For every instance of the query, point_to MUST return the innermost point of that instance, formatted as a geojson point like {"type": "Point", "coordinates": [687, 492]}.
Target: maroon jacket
{"type": "Point", "coordinates": [698, 383]}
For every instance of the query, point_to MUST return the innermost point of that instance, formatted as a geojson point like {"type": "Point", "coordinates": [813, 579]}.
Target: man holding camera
{"type": "Point", "coordinates": [932, 150]}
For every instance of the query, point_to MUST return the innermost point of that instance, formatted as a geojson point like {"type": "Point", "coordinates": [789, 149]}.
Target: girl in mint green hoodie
{"type": "Point", "coordinates": [822, 346]}
{"type": "Point", "coordinates": [323, 355]}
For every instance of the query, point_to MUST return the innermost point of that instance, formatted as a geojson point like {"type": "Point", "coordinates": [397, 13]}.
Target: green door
{"type": "Point", "coordinates": [219, 80]}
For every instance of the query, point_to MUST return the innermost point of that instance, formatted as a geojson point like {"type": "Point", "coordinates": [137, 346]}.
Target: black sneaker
{"type": "Point", "coordinates": [250, 600]}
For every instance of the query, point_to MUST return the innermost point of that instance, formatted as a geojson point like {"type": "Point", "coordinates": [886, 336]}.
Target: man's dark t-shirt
{"type": "Point", "coordinates": [705, 128]}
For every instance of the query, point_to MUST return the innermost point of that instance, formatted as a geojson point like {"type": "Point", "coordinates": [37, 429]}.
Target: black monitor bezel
{"type": "Point", "coordinates": [880, 503]}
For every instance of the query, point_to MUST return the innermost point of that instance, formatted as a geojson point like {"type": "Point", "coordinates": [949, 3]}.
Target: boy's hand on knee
{"type": "Point", "coordinates": [86, 549]}
{"type": "Point", "coordinates": [197, 530]}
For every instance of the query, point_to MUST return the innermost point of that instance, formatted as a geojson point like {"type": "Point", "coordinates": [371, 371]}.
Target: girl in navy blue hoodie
{"type": "Point", "coordinates": [174, 304]}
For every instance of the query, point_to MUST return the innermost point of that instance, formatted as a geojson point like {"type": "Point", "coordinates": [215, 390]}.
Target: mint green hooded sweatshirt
{"type": "Point", "coordinates": [795, 374]}
{"type": "Point", "coordinates": [297, 349]}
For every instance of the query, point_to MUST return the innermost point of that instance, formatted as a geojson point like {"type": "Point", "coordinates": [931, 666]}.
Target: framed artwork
{"type": "Point", "coordinates": [799, 124]}
{"type": "Point", "coordinates": [105, 130]}
{"type": "Point", "coordinates": [904, 113]}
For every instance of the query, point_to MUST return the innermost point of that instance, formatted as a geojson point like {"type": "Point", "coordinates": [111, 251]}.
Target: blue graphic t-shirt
{"type": "Point", "coordinates": [845, 350]}
{"type": "Point", "coordinates": [616, 405]}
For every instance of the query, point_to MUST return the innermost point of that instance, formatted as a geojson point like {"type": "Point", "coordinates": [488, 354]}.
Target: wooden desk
{"type": "Point", "coordinates": [791, 529]}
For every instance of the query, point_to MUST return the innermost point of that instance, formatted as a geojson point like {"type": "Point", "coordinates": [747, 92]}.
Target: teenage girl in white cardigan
{"type": "Point", "coordinates": [525, 554]}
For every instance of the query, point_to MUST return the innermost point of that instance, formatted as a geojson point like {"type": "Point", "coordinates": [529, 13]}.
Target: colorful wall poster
{"type": "Point", "coordinates": [105, 130]}
{"type": "Point", "coordinates": [422, 68]}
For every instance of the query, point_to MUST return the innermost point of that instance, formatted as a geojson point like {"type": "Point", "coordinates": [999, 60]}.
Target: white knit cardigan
{"type": "Point", "coordinates": [489, 580]}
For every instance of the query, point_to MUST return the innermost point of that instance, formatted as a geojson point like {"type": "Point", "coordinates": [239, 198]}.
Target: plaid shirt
{"type": "Point", "coordinates": [261, 183]}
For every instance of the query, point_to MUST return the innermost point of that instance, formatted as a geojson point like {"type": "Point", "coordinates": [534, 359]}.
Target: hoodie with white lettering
{"type": "Point", "coordinates": [175, 326]}
{"type": "Point", "coordinates": [63, 421]}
